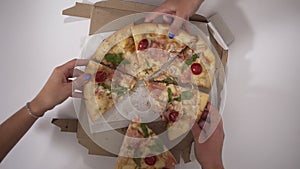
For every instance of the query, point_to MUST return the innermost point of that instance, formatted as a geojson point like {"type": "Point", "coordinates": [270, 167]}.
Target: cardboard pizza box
{"type": "Point", "coordinates": [104, 12]}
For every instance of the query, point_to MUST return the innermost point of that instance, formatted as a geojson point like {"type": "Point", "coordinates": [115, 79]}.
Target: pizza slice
{"type": "Point", "coordinates": [194, 66]}
{"type": "Point", "coordinates": [142, 149]}
{"type": "Point", "coordinates": [180, 106]}
{"type": "Point", "coordinates": [185, 106]}
{"type": "Point", "coordinates": [118, 52]}
{"type": "Point", "coordinates": [105, 88]}
{"type": "Point", "coordinates": [154, 47]}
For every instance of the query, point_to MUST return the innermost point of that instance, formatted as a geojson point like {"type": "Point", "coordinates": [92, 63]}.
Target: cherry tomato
{"type": "Point", "coordinates": [143, 44]}
{"type": "Point", "coordinates": [101, 76]}
{"type": "Point", "coordinates": [173, 116]}
{"type": "Point", "coordinates": [150, 160]}
{"type": "Point", "coordinates": [196, 68]}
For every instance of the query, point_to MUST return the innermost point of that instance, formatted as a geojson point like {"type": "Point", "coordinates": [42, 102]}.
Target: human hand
{"type": "Point", "coordinates": [208, 139]}
{"type": "Point", "coordinates": [180, 8]}
{"type": "Point", "coordinates": [59, 86]}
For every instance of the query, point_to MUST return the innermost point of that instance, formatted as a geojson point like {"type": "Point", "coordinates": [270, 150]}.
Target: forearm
{"type": "Point", "coordinates": [216, 166]}
{"type": "Point", "coordinates": [13, 129]}
{"type": "Point", "coordinates": [212, 163]}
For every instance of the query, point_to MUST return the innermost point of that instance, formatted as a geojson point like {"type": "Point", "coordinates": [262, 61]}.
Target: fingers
{"type": "Point", "coordinates": [175, 26]}
{"type": "Point", "coordinates": [77, 95]}
{"type": "Point", "coordinates": [68, 68]}
{"type": "Point", "coordinates": [73, 73]}
{"type": "Point", "coordinates": [82, 62]}
{"type": "Point", "coordinates": [210, 127]}
{"type": "Point", "coordinates": [151, 17]}
{"type": "Point", "coordinates": [80, 81]}
{"type": "Point", "coordinates": [156, 13]}
{"type": "Point", "coordinates": [74, 88]}
{"type": "Point", "coordinates": [209, 123]}
{"type": "Point", "coordinates": [77, 73]}
{"type": "Point", "coordinates": [78, 84]}
{"type": "Point", "coordinates": [179, 20]}
{"type": "Point", "coordinates": [73, 63]}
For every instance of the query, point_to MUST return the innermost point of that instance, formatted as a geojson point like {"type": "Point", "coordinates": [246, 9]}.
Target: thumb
{"type": "Point", "coordinates": [175, 26]}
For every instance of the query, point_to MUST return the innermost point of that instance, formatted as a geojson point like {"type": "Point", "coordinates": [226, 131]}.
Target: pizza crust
{"type": "Point", "coordinates": [89, 91]}
{"type": "Point", "coordinates": [111, 41]}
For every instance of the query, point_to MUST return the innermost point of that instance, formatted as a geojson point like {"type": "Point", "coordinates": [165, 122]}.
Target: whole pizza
{"type": "Point", "coordinates": [177, 73]}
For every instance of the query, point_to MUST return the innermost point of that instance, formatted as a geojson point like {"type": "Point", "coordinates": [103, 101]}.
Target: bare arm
{"type": "Point", "coordinates": [209, 138]}
{"type": "Point", "coordinates": [57, 89]}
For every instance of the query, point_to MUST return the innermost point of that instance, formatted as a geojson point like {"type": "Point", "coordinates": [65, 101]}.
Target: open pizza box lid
{"type": "Point", "coordinates": [102, 13]}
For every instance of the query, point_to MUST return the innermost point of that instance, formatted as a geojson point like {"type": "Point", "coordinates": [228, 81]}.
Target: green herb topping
{"type": "Point", "coordinates": [105, 86]}
{"type": "Point", "coordinates": [167, 80]}
{"type": "Point", "coordinates": [145, 130]}
{"type": "Point", "coordinates": [116, 58]}
{"type": "Point", "coordinates": [169, 95]}
{"type": "Point", "coordinates": [189, 61]}
{"type": "Point", "coordinates": [119, 90]}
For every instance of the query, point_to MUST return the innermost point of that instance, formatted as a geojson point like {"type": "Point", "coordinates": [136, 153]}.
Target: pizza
{"type": "Point", "coordinates": [142, 149]}
{"type": "Point", "coordinates": [154, 47]}
{"type": "Point", "coordinates": [105, 88]}
{"type": "Point", "coordinates": [180, 107]}
{"type": "Point", "coordinates": [194, 68]}
{"type": "Point", "coordinates": [174, 71]}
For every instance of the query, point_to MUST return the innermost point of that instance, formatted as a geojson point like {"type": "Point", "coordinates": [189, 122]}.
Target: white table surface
{"type": "Point", "coordinates": [262, 108]}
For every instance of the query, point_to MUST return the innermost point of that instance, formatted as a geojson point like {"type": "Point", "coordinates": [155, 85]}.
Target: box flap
{"type": "Point", "coordinates": [101, 16]}
{"type": "Point", "coordinates": [125, 6]}
{"type": "Point", "coordinates": [79, 10]}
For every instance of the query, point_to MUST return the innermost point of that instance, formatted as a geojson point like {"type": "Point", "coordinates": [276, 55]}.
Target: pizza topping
{"type": "Point", "coordinates": [150, 160]}
{"type": "Point", "coordinates": [145, 130]}
{"type": "Point", "coordinates": [196, 68]}
{"type": "Point", "coordinates": [167, 80]}
{"type": "Point", "coordinates": [101, 76]}
{"type": "Point", "coordinates": [173, 116]}
{"type": "Point", "coordinates": [169, 95]}
{"type": "Point", "coordinates": [116, 58]}
{"type": "Point", "coordinates": [105, 86]}
{"type": "Point", "coordinates": [143, 44]}
{"type": "Point", "coordinates": [119, 90]}
{"type": "Point", "coordinates": [185, 95]}
{"type": "Point", "coordinates": [189, 61]}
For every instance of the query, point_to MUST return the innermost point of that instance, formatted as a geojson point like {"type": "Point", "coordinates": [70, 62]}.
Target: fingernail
{"type": "Point", "coordinates": [87, 76]}
{"type": "Point", "coordinates": [171, 35]}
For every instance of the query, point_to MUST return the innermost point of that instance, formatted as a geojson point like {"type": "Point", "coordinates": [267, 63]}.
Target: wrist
{"type": "Point", "coordinates": [36, 107]}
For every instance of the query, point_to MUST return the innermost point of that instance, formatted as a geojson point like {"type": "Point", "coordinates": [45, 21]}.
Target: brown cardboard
{"type": "Point", "coordinates": [71, 125]}
{"type": "Point", "coordinates": [102, 13]}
